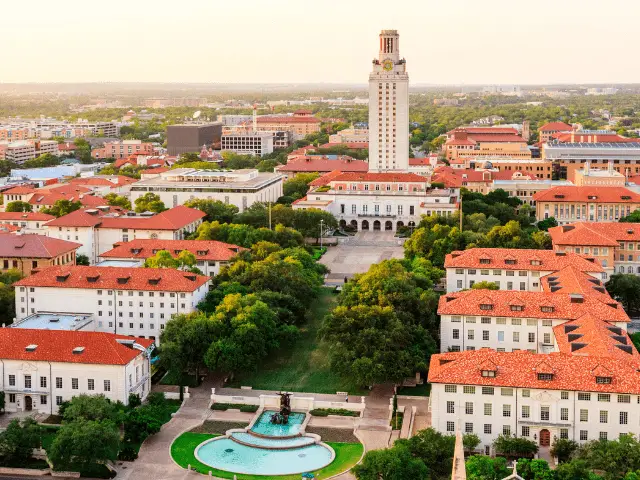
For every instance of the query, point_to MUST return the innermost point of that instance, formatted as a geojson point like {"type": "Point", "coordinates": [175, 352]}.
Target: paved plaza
{"type": "Point", "coordinates": [358, 253]}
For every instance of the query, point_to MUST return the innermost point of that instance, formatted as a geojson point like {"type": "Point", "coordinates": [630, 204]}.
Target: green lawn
{"type": "Point", "coordinates": [182, 451]}
{"type": "Point", "coordinates": [417, 391]}
{"type": "Point", "coordinates": [304, 367]}
{"type": "Point", "coordinates": [173, 378]}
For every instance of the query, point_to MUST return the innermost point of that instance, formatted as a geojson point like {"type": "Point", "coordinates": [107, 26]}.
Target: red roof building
{"type": "Point", "coordinates": [322, 165]}
{"type": "Point", "coordinates": [547, 131]}
{"type": "Point", "coordinates": [28, 252]}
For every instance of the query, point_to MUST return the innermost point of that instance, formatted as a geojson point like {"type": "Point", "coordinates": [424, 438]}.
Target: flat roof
{"type": "Point", "coordinates": [120, 263]}
{"type": "Point", "coordinates": [56, 321]}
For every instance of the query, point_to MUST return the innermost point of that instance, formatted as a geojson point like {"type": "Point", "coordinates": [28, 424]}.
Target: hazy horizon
{"type": "Point", "coordinates": [332, 42]}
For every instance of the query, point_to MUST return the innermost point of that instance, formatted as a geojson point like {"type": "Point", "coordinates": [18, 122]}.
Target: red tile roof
{"type": "Point", "coordinates": [575, 137]}
{"type": "Point", "coordinates": [379, 177]}
{"type": "Point", "coordinates": [352, 145]}
{"type": "Point", "coordinates": [115, 278]}
{"type": "Point", "coordinates": [457, 177]}
{"type": "Point", "coordinates": [555, 126]}
{"type": "Point", "coordinates": [485, 130]}
{"type": "Point", "coordinates": [587, 194]}
{"type": "Point", "coordinates": [487, 138]}
{"type": "Point", "coordinates": [321, 164]}
{"type": "Point", "coordinates": [606, 234]}
{"type": "Point", "coordinates": [469, 302]}
{"type": "Point", "coordinates": [210, 250]}
{"type": "Point", "coordinates": [57, 346]}
{"type": "Point", "coordinates": [149, 171]}
{"type": "Point", "coordinates": [548, 260]}
{"type": "Point", "coordinates": [172, 219]}
{"type": "Point", "coordinates": [520, 369]}
{"type": "Point", "coordinates": [34, 246]}
{"type": "Point", "coordinates": [287, 119]}
{"type": "Point", "coordinates": [570, 280]}
{"type": "Point", "coordinates": [120, 180]}
{"type": "Point", "coordinates": [20, 190]}
{"type": "Point", "coordinates": [25, 216]}
{"type": "Point", "coordinates": [8, 228]}
{"type": "Point", "coordinates": [325, 179]}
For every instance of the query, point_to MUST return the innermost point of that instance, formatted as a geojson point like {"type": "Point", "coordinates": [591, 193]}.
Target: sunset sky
{"type": "Point", "coordinates": [332, 41]}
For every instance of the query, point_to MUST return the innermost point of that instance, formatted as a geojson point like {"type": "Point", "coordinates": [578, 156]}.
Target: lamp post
{"type": "Point", "coordinates": [321, 231]}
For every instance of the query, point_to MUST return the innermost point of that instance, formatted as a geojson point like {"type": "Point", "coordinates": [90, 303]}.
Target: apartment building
{"type": "Point", "coordinates": [241, 188]}
{"type": "Point", "coordinates": [211, 255]}
{"type": "Point", "coordinates": [546, 132]}
{"type": "Point", "coordinates": [125, 301]}
{"type": "Point", "coordinates": [29, 252]}
{"type": "Point", "coordinates": [27, 222]}
{"type": "Point", "coordinates": [513, 269]}
{"type": "Point", "coordinates": [615, 245]}
{"type": "Point", "coordinates": [122, 149]}
{"type": "Point", "coordinates": [378, 201]}
{"type": "Point", "coordinates": [99, 231]}
{"type": "Point", "coordinates": [22, 150]}
{"type": "Point", "coordinates": [248, 143]}
{"type": "Point", "coordinates": [585, 204]}
{"type": "Point", "coordinates": [44, 368]}
{"type": "Point", "coordinates": [300, 124]}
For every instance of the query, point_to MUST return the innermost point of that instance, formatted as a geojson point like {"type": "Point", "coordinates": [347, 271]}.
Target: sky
{"type": "Point", "coordinates": [309, 41]}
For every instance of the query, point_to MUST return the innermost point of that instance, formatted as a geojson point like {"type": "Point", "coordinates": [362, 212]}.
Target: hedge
{"type": "Point", "coordinates": [239, 406]}
{"type": "Point", "coordinates": [325, 412]}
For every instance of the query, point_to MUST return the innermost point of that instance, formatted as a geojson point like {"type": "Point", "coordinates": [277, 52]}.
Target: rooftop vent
{"type": "Point", "coordinates": [54, 319]}
{"type": "Point", "coordinates": [561, 254]}
{"type": "Point", "coordinates": [625, 197]}
{"type": "Point", "coordinates": [576, 298]}
{"type": "Point", "coordinates": [577, 346]}
{"type": "Point", "coordinates": [31, 348]}
{"type": "Point", "coordinates": [62, 278]}
{"type": "Point", "coordinates": [78, 350]}
{"type": "Point", "coordinates": [626, 348]}
{"type": "Point", "coordinates": [616, 330]}
{"type": "Point", "coordinates": [574, 336]}
{"type": "Point", "coordinates": [620, 339]}
{"type": "Point", "coordinates": [570, 328]}
{"type": "Point", "coordinates": [558, 196]}
{"type": "Point", "coordinates": [593, 197]}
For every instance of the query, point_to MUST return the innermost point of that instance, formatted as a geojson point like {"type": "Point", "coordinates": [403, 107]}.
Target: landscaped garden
{"type": "Point", "coordinates": [303, 367]}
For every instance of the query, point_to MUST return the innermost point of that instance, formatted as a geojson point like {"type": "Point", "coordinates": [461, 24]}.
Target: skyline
{"type": "Point", "coordinates": [285, 42]}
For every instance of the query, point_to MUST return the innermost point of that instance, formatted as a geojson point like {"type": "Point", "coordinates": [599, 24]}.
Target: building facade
{"type": "Point", "coordinates": [389, 107]}
{"type": "Point", "coordinates": [28, 222]}
{"type": "Point", "coordinates": [248, 143]}
{"type": "Point", "coordinates": [125, 301]}
{"type": "Point", "coordinates": [189, 138]}
{"type": "Point", "coordinates": [44, 368]}
{"type": "Point", "coordinates": [122, 149]}
{"type": "Point", "coordinates": [28, 252]}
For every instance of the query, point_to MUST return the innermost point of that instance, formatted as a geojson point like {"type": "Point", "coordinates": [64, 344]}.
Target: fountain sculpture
{"type": "Point", "coordinates": [282, 417]}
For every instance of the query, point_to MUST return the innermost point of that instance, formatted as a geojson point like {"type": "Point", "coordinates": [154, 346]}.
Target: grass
{"type": "Point", "coordinates": [173, 378]}
{"type": "Point", "coordinates": [304, 366]}
{"type": "Point", "coordinates": [396, 421]}
{"type": "Point", "coordinates": [216, 427]}
{"type": "Point", "coordinates": [182, 451]}
{"type": "Point", "coordinates": [49, 433]}
{"type": "Point", "coordinates": [417, 391]}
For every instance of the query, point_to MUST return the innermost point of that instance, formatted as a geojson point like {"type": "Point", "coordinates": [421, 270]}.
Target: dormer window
{"type": "Point", "coordinates": [603, 380]}
{"type": "Point", "coordinates": [545, 377]}
{"type": "Point", "coordinates": [202, 252]}
{"type": "Point", "coordinates": [485, 261]}
{"type": "Point", "coordinates": [546, 309]}
{"type": "Point", "coordinates": [517, 308]}
{"type": "Point", "coordinates": [486, 306]}
{"type": "Point", "coordinates": [536, 262]}
{"type": "Point", "coordinates": [489, 373]}
{"type": "Point", "coordinates": [510, 261]}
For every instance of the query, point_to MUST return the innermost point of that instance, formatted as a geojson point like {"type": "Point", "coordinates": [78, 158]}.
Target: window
{"type": "Point", "coordinates": [526, 431]}
{"type": "Point", "coordinates": [506, 430]}
{"type": "Point", "coordinates": [450, 388]}
{"type": "Point", "coordinates": [506, 392]}
{"type": "Point", "coordinates": [488, 408]}
{"type": "Point", "coordinates": [544, 413]}
{"type": "Point", "coordinates": [470, 334]}
{"type": "Point", "coordinates": [90, 384]}
{"type": "Point", "coordinates": [564, 414]}
{"type": "Point", "coordinates": [455, 334]}
{"type": "Point", "coordinates": [12, 380]}
{"type": "Point", "coordinates": [584, 435]}
{"type": "Point", "coordinates": [546, 339]}
{"type": "Point", "coordinates": [468, 408]}
{"type": "Point", "coordinates": [506, 410]}
{"type": "Point", "coordinates": [487, 428]}
{"type": "Point", "coordinates": [485, 335]}
{"type": "Point", "coordinates": [469, 389]}
{"type": "Point", "coordinates": [27, 381]}
{"type": "Point", "coordinates": [564, 433]}
{"type": "Point", "coordinates": [603, 380]}
{"type": "Point", "coordinates": [43, 399]}
{"type": "Point", "coordinates": [603, 435]}
{"type": "Point", "coordinates": [584, 396]}
{"type": "Point", "coordinates": [74, 384]}
{"type": "Point", "coordinates": [468, 428]}
{"type": "Point", "coordinates": [624, 398]}
{"type": "Point", "coordinates": [58, 400]}
{"type": "Point", "coordinates": [451, 426]}
{"type": "Point", "coordinates": [526, 393]}
{"type": "Point", "coordinates": [604, 397]}
{"type": "Point", "coordinates": [526, 411]}
{"type": "Point", "coordinates": [487, 390]}
{"type": "Point", "coordinates": [43, 382]}
{"type": "Point", "coordinates": [545, 376]}
{"type": "Point", "coordinates": [564, 395]}
{"type": "Point", "coordinates": [584, 415]}
{"type": "Point", "coordinates": [624, 418]}
{"type": "Point", "coordinates": [604, 416]}
{"type": "Point", "coordinates": [107, 385]}
{"type": "Point", "coordinates": [451, 407]}
{"type": "Point", "coordinates": [58, 382]}
{"type": "Point", "coordinates": [485, 320]}
{"type": "Point", "coordinates": [516, 336]}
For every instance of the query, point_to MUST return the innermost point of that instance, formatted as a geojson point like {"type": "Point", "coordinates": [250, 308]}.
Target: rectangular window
{"type": "Point", "coordinates": [624, 398]}
{"type": "Point", "coordinates": [603, 436]}
{"type": "Point", "coordinates": [526, 393]}
{"type": "Point", "coordinates": [468, 408]}
{"type": "Point", "coordinates": [450, 388]}
{"type": "Point", "coordinates": [526, 411]}
{"type": "Point", "coordinates": [455, 334]}
{"type": "Point", "coordinates": [564, 433]}
{"type": "Point", "coordinates": [506, 392]}
{"type": "Point", "coordinates": [74, 384]}
{"type": "Point", "coordinates": [468, 428]}
{"type": "Point", "coordinates": [12, 380]}
{"type": "Point", "coordinates": [526, 431]}
{"type": "Point", "coordinates": [58, 400]}
{"type": "Point", "coordinates": [488, 408]}
{"type": "Point", "coordinates": [506, 410]}
{"type": "Point", "coordinates": [90, 384]}
{"type": "Point", "coordinates": [107, 385]}
{"type": "Point", "coordinates": [564, 395]}
{"type": "Point", "coordinates": [584, 435]}
{"type": "Point", "coordinates": [58, 382]}
{"type": "Point", "coordinates": [564, 414]}
{"type": "Point", "coordinates": [584, 396]}
{"type": "Point", "coordinates": [43, 382]}
{"type": "Point", "coordinates": [451, 426]}
{"type": "Point", "coordinates": [604, 397]}
{"type": "Point", "coordinates": [624, 418]}
{"type": "Point", "coordinates": [506, 430]}
{"type": "Point", "coordinates": [584, 415]}
{"type": "Point", "coordinates": [604, 416]}
{"type": "Point", "coordinates": [27, 381]}
{"type": "Point", "coordinates": [451, 407]}
{"type": "Point", "coordinates": [544, 413]}
{"type": "Point", "coordinates": [469, 389]}
{"type": "Point", "coordinates": [487, 428]}
{"type": "Point", "coordinates": [43, 399]}
{"type": "Point", "coordinates": [487, 390]}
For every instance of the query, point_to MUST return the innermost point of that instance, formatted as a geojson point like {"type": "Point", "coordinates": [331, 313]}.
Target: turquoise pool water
{"type": "Point", "coordinates": [231, 456]}
{"type": "Point", "coordinates": [273, 442]}
{"type": "Point", "coordinates": [264, 426]}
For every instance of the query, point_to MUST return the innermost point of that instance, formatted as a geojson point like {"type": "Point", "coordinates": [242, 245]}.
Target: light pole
{"type": "Point", "coordinates": [321, 222]}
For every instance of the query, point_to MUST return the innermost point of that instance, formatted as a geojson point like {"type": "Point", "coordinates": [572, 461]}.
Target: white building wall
{"type": "Point", "coordinates": [515, 398]}
{"type": "Point", "coordinates": [45, 394]}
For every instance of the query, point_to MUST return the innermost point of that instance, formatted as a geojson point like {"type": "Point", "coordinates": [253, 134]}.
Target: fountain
{"type": "Point", "coordinates": [282, 417]}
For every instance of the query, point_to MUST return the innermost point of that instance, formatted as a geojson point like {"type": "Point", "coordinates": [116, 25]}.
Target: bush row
{"type": "Point", "coordinates": [238, 406]}
{"type": "Point", "coordinates": [325, 412]}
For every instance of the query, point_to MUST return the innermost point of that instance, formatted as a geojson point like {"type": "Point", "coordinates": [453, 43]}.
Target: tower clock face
{"type": "Point", "coordinates": [387, 65]}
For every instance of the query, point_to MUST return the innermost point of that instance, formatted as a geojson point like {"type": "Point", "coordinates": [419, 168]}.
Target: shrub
{"type": "Point", "coordinates": [134, 400]}
{"type": "Point", "coordinates": [249, 408]}
{"type": "Point", "coordinates": [156, 398]}
{"type": "Point", "coordinates": [324, 412]}
{"type": "Point", "coordinates": [128, 454]}
{"type": "Point", "coordinates": [237, 406]}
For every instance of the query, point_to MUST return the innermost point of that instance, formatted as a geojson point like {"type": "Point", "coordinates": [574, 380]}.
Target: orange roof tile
{"type": "Point", "coordinates": [555, 126]}
{"type": "Point", "coordinates": [379, 177]}
{"type": "Point", "coordinates": [210, 250]}
{"type": "Point", "coordinates": [120, 278]}
{"type": "Point", "coordinates": [25, 216]}
{"type": "Point", "coordinates": [587, 194]}
{"type": "Point", "coordinates": [58, 345]}
{"type": "Point", "coordinates": [34, 246]}
{"type": "Point", "coordinates": [315, 163]}
{"type": "Point", "coordinates": [606, 234]}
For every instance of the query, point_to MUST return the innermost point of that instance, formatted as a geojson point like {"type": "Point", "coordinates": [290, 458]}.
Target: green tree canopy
{"type": "Point", "coordinates": [92, 407]}
{"type": "Point", "coordinates": [18, 440]}
{"type": "Point", "coordinates": [116, 200]}
{"type": "Point", "coordinates": [391, 464]}
{"type": "Point", "coordinates": [624, 288]}
{"type": "Point", "coordinates": [80, 444]}
{"type": "Point", "coordinates": [149, 202]}
{"type": "Point", "coordinates": [18, 206]}
{"type": "Point", "coordinates": [482, 467]}
{"type": "Point", "coordinates": [215, 209]}
{"type": "Point", "coordinates": [63, 207]}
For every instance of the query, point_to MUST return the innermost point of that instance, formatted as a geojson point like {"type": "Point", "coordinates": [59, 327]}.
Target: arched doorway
{"type": "Point", "coordinates": [28, 403]}
{"type": "Point", "coordinates": [354, 224]}
{"type": "Point", "coordinates": [545, 437]}
{"type": "Point", "coordinates": [343, 223]}
{"type": "Point", "coordinates": [412, 224]}
{"type": "Point", "coordinates": [399, 225]}
{"type": "Point", "coordinates": [376, 225]}
{"type": "Point", "coordinates": [365, 225]}
{"type": "Point", "coordinates": [388, 225]}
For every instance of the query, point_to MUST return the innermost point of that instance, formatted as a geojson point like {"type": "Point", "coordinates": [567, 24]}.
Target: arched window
{"type": "Point", "coordinates": [629, 269]}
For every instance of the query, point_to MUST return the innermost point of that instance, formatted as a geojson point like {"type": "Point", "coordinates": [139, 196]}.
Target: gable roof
{"type": "Point", "coordinates": [57, 346]}
{"type": "Point", "coordinates": [34, 246]}
{"type": "Point", "coordinates": [211, 250]}
{"type": "Point", "coordinates": [587, 194]}
{"type": "Point", "coordinates": [25, 216]}
{"type": "Point", "coordinates": [606, 234]}
{"type": "Point", "coordinates": [555, 126]}
{"type": "Point", "coordinates": [315, 163]}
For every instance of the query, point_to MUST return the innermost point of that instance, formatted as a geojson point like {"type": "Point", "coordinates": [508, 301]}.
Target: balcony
{"type": "Point", "coordinates": [377, 215]}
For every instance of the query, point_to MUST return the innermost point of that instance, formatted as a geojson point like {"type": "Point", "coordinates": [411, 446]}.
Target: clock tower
{"type": "Point", "coordinates": [389, 107]}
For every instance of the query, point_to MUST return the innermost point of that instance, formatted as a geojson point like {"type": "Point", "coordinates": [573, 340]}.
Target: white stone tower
{"type": "Point", "coordinates": [389, 107]}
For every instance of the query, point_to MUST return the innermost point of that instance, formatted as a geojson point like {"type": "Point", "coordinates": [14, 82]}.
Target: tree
{"type": "Point", "coordinates": [434, 449]}
{"type": "Point", "coordinates": [515, 447]}
{"type": "Point", "coordinates": [470, 441]}
{"type": "Point", "coordinates": [298, 186]}
{"type": "Point", "coordinates": [116, 200]}
{"type": "Point", "coordinates": [80, 444]}
{"type": "Point", "coordinates": [149, 202]}
{"type": "Point", "coordinates": [44, 160]}
{"type": "Point", "coordinates": [185, 260]}
{"type": "Point", "coordinates": [307, 222]}
{"type": "Point", "coordinates": [633, 217]}
{"type": "Point", "coordinates": [536, 469]}
{"type": "Point", "coordinates": [63, 207]}
{"type": "Point", "coordinates": [267, 165]}
{"type": "Point", "coordinates": [92, 408]}
{"type": "Point", "coordinates": [141, 423]}
{"type": "Point", "coordinates": [395, 463]}
{"type": "Point", "coordinates": [7, 295]}
{"type": "Point", "coordinates": [624, 288]}
{"type": "Point", "coordinates": [563, 448]}
{"type": "Point", "coordinates": [481, 467]}
{"type": "Point", "coordinates": [215, 209]}
{"type": "Point", "coordinates": [82, 259]}
{"type": "Point", "coordinates": [18, 206]}
{"type": "Point", "coordinates": [18, 441]}
{"type": "Point", "coordinates": [578, 470]}
{"type": "Point", "coordinates": [613, 457]}
{"type": "Point", "coordinates": [484, 285]}
{"type": "Point", "coordinates": [547, 223]}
